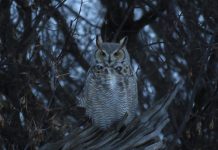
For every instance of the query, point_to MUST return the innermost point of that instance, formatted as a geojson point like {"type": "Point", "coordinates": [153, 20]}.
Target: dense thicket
{"type": "Point", "coordinates": [45, 49]}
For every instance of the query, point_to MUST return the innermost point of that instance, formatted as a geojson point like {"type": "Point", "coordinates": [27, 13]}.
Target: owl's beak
{"type": "Point", "coordinates": [109, 61]}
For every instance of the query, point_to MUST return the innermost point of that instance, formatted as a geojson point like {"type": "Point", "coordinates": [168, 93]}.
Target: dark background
{"type": "Point", "coordinates": [45, 49]}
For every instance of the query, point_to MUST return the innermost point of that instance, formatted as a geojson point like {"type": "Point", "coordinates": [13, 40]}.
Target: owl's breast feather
{"type": "Point", "coordinates": [108, 96]}
{"type": "Point", "coordinates": [113, 81]}
{"type": "Point", "coordinates": [108, 78]}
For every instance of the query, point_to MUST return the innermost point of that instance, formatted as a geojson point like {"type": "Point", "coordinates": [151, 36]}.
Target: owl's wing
{"type": "Point", "coordinates": [82, 101]}
{"type": "Point", "coordinates": [132, 95]}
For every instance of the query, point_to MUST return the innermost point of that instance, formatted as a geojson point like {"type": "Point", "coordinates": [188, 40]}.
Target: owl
{"type": "Point", "coordinates": [110, 89]}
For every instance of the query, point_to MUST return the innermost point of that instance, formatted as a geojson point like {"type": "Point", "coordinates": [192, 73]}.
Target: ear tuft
{"type": "Point", "coordinates": [99, 41]}
{"type": "Point", "coordinates": [123, 41]}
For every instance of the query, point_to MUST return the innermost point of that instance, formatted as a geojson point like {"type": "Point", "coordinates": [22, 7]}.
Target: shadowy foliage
{"type": "Point", "coordinates": [45, 50]}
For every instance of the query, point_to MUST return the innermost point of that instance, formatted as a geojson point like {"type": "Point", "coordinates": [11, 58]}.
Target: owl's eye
{"type": "Point", "coordinates": [102, 53]}
{"type": "Point", "coordinates": [119, 54]}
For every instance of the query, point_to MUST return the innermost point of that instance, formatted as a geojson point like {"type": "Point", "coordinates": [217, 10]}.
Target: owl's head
{"type": "Point", "coordinates": [110, 54]}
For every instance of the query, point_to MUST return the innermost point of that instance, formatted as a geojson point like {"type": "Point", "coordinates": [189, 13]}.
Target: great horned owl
{"type": "Point", "coordinates": [110, 89]}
